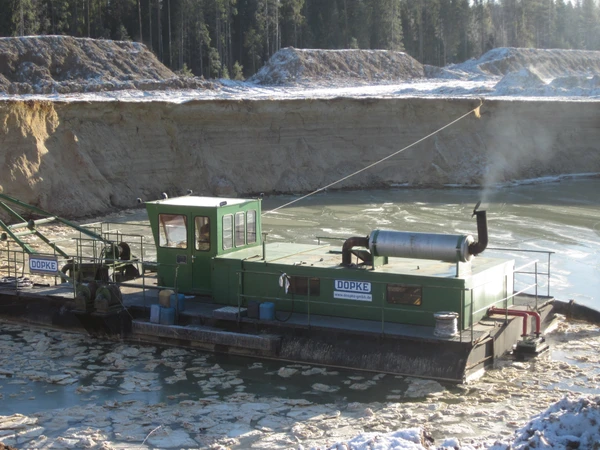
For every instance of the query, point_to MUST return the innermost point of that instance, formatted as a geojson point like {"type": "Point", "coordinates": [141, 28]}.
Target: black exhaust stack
{"type": "Point", "coordinates": [349, 244]}
{"type": "Point", "coordinates": [482, 232]}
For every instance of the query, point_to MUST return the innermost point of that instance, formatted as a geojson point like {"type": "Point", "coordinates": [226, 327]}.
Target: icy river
{"type": "Point", "coordinates": [64, 390]}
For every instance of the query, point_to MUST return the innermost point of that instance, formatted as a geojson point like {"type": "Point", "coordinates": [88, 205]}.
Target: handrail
{"type": "Point", "coordinates": [467, 311]}
{"type": "Point", "coordinates": [508, 297]}
{"type": "Point", "coordinates": [470, 290]}
{"type": "Point", "coordinates": [332, 238]}
{"type": "Point", "coordinates": [308, 301]}
{"type": "Point", "coordinates": [548, 263]}
{"type": "Point", "coordinates": [524, 250]}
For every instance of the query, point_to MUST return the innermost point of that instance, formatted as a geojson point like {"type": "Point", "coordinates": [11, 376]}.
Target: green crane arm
{"type": "Point", "coordinates": [49, 218]}
{"type": "Point", "coordinates": [22, 244]}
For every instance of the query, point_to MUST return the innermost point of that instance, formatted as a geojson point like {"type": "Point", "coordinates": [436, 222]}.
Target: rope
{"type": "Point", "coordinates": [473, 111]}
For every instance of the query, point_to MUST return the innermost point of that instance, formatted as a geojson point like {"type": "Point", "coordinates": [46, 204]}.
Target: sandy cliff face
{"type": "Point", "coordinates": [84, 158]}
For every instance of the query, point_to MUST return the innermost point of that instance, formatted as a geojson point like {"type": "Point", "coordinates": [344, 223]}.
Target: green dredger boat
{"type": "Point", "coordinates": [408, 303]}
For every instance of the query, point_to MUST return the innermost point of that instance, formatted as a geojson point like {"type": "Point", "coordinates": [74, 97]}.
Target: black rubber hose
{"type": "Point", "coordinates": [575, 311]}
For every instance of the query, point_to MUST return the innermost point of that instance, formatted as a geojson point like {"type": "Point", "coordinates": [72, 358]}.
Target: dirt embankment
{"type": "Point", "coordinates": [83, 158]}
{"type": "Point", "coordinates": [305, 66]}
{"type": "Point", "coordinates": [63, 64]}
{"type": "Point", "coordinates": [79, 158]}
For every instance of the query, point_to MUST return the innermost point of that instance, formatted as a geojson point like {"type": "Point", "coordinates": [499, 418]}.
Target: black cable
{"type": "Point", "coordinates": [289, 315]}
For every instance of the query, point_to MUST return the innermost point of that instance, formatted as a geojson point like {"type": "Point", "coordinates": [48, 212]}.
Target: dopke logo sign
{"type": "Point", "coordinates": [43, 264]}
{"type": "Point", "coordinates": [352, 290]}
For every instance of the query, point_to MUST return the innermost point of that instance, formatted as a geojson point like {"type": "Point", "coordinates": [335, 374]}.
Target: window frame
{"type": "Point", "coordinates": [411, 291]}
{"type": "Point", "coordinates": [253, 222]}
{"type": "Point", "coordinates": [299, 285]}
{"type": "Point", "coordinates": [197, 234]}
{"type": "Point", "coordinates": [239, 233]}
{"type": "Point", "coordinates": [163, 234]}
{"type": "Point", "coordinates": [224, 236]}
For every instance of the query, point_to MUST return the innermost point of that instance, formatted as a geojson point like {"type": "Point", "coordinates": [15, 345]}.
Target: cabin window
{"type": "Point", "coordinates": [299, 285]}
{"type": "Point", "coordinates": [227, 231]}
{"type": "Point", "coordinates": [240, 229]}
{"type": "Point", "coordinates": [202, 233]}
{"type": "Point", "coordinates": [251, 226]}
{"type": "Point", "coordinates": [402, 294]}
{"type": "Point", "coordinates": [172, 230]}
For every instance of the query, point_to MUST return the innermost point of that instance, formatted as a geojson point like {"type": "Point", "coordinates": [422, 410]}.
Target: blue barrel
{"type": "Point", "coordinates": [267, 311]}
{"type": "Point", "coordinates": [181, 302]}
{"type": "Point", "coordinates": [167, 316]}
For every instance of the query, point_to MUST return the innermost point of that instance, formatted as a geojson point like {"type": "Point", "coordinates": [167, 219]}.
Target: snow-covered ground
{"type": "Point", "coordinates": [510, 87]}
{"type": "Point", "coordinates": [503, 73]}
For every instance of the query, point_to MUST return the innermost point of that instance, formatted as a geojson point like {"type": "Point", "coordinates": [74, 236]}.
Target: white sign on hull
{"type": "Point", "coordinates": [352, 290]}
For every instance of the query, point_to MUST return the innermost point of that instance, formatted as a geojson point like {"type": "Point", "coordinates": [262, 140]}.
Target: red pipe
{"type": "Point", "coordinates": [524, 314]}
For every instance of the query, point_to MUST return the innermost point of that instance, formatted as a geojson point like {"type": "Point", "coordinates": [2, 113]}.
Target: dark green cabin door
{"type": "Point", "coordinates": [175, 251]}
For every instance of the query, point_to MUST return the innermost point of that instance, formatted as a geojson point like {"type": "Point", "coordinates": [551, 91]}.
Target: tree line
{"type": "Point", "coordinates": [234, 38]}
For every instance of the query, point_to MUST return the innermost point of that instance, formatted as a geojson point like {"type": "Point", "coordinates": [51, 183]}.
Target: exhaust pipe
{"type": "Point", "coordinates": [482, 232]}
{"type": "Point", "coordinates": [349, 244]}
{"type": "Point", "coordinates": [440, 247]}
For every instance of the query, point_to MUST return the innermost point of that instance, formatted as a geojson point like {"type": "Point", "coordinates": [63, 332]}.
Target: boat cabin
{"type": "Point", "coordinates": [189, 232]}
{"type": "Point", "coordinates": [212, 246]}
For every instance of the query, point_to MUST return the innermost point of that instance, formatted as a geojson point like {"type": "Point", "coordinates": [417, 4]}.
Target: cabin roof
{"type": "Point", "coordinates": [207, 202]}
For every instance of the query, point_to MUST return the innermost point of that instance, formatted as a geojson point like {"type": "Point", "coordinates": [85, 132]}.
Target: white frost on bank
{"type": "Point", "coordinates": [567, 424]}
{"type": "Point", "coordinates": [504, 73]}
{"type": "Point", "coordinates": [587, 89]}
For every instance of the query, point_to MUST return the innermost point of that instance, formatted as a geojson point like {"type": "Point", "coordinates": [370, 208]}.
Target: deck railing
{"type": "Point", "coordinates": [530, 289]}
{"type": "Point", "coordinates": [536, 273]}
{"type": "Point", "coordinates": [14, 262]}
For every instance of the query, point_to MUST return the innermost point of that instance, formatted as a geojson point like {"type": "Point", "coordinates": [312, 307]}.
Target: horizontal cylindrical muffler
{"type": "Point", "coordinates": [404, 244]}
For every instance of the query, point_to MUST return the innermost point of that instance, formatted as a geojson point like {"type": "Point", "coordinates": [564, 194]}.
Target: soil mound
{"type": "Point", "coordinates": [515, 83]}
{"type": "Point", "coordinates": [63, 64]}
{"type": "Point", "coordinates": [550, 63]}
{"type": "Point", "coordinates": [299, 66]}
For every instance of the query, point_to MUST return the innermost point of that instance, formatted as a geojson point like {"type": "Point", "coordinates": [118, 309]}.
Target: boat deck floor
{"type": "Point", "coordinates": [200, 309]}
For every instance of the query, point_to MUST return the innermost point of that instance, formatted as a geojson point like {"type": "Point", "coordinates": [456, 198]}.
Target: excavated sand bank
{"type": "Point", "coordinates": [77, 157]}
{"type": "Point", "coordinates": [82, 158]}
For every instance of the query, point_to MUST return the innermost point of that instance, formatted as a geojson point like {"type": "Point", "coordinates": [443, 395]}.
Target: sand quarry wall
{"type": "Point", "coordinates": [82, 158]}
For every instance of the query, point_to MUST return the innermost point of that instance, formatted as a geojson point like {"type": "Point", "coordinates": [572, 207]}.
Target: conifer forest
{"type": "Point", "coordinates": [234, 38]}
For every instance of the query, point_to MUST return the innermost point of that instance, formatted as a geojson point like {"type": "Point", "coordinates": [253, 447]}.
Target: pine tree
{"type": "Point", "coordinates": [252, 43]}
{"type": "Point", "coordinates": [292, 14]}
{"type": "Point", "coordinates": [25, 18]}
{"type": "Point", "coordinates": [589, 25]}
{"type": "Point", "coordinates": [386, 25]}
